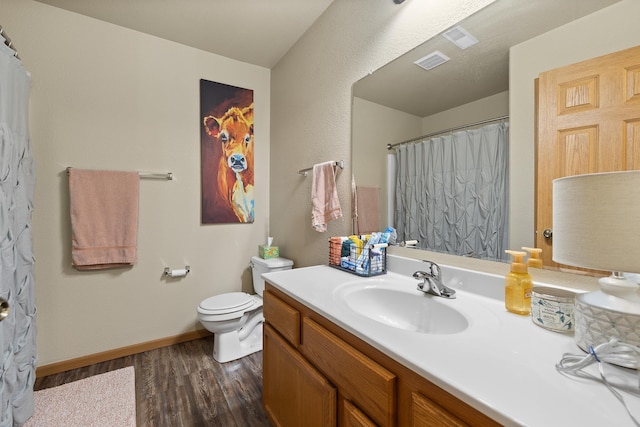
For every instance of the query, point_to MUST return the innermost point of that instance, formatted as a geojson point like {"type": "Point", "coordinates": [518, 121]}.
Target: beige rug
{"type": "Point", "coordinates": [102, 400]}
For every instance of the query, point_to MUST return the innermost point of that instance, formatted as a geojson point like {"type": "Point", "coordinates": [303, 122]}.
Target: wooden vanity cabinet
{"type": "Point", "coordinates": [316, 373]}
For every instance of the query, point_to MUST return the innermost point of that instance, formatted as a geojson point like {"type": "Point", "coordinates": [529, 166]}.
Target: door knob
{"type": "Point", "coordinates": [4, 308]}
{"type": "Point", "coordinates": [547, 233]}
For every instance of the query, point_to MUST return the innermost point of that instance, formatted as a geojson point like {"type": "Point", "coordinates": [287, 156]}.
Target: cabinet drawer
{"type": "Point", "coordinates": [360, 379]}
{"type": "Point", "coordinates": [427, 413]}
{"type": "Point", "coordinates": [284, 318]}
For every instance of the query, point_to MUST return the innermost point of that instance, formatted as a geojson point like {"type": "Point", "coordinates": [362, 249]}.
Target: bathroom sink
{"type": "Point", "coordinates": [402, 307]}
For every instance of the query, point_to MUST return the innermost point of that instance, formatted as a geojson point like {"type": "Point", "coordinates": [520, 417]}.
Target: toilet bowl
{"type": "Point", "coordinates": [235, 318]}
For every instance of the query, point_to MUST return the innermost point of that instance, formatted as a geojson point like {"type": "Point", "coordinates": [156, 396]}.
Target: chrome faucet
{"type": "Point", "coordinates": [432, 283]}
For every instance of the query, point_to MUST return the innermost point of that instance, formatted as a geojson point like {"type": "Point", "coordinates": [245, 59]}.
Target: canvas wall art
{"type": "Point", "coordinates": [226, 146]}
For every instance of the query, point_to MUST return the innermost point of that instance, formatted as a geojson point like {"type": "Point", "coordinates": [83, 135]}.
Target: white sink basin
{"type": "Point", "coordinates": [399, 306]}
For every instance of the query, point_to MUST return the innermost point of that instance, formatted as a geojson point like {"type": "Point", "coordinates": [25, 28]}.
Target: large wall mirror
{"type": "Point", "coordinates": [492, 79]}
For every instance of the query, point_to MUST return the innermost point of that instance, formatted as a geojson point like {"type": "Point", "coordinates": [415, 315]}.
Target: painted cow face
{"type": "Point", "coordinates": [234, 130]}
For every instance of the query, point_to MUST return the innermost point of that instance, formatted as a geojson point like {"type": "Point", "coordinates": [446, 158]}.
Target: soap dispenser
{"type": "Point", "coordinates": [534, 260]}
{"type": "Point", "coordinates": [518, 284]}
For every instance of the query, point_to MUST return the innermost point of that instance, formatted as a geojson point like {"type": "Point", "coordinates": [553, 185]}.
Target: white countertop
{"type": "Point", "coordinates": [501, 364]}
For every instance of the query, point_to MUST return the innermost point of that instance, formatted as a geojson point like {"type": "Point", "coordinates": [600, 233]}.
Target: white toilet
{"type": "Point", "coordinates": [235, 318]}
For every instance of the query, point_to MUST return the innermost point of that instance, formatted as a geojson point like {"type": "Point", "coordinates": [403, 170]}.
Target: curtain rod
{"type": "Point", "coordinates": [8, 42]}
{"type": "Point", "coordinates": [392, 146]}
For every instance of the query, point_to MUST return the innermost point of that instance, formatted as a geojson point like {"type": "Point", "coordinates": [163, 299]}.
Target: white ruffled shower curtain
{"type": "Point", "coordinates": [451, 192]}
{"type": "Point", "coordinates": [18, 329]}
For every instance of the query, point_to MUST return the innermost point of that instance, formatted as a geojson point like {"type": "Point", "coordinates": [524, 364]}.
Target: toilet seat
{"type": "Point", "coordinates": [226, 303]}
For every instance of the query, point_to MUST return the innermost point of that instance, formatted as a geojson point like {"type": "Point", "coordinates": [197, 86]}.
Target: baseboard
{"type": "Point", "coordinates": [80, 362]}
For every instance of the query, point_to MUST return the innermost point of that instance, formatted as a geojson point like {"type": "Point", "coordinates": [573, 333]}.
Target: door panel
{"type": "Point", "coordinates": [577, 151]}
{"type": "Point", "coordinates": [632, 136]}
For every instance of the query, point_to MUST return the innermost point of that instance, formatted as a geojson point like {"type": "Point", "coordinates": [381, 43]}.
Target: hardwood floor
{"type": "Point", "coordinates": [183, 386]}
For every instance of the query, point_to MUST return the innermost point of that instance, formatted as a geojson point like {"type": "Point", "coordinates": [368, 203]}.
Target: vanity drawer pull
{"type": "Point", "coordinates": [360, 379]}
{"type": "Point", "coordinates": [282, 317]}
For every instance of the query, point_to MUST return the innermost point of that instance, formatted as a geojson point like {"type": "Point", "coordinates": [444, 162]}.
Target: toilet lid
{"type": "Point", "coordinates": [226, 303]}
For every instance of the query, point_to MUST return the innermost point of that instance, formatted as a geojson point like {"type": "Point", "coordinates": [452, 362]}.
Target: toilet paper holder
{"type": "Point", "coordinates": [168, 272]}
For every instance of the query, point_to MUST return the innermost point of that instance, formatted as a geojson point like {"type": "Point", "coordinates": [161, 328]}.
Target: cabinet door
{"type": "Point", "coordinates": [359, 378]}
{"type": "Point", "coordinates": [294, 393]}
{"type": "Point", "coordinates": [427, 413]}
{"type": "Point", "coordinates": [354, 417]}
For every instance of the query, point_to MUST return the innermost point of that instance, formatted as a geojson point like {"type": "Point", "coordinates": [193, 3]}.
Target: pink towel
{"type": "Point", "coordinates": [368, 209]}
{"type": "Point", "coordinates": [354, 205]}
{"type": "Point", "coordinates": [104, 218]}
{"type": "Point", "coordinates": [325, 205]}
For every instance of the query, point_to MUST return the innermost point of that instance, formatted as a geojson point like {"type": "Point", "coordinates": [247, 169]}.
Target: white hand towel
{"type": "Point", "coordinates": [325, 205]}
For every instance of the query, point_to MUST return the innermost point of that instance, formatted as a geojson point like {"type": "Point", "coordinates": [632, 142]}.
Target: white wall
{"type": "Point", "coordinates": [482, 109]}
{"type": "Point", "coordinates": [105, 97]}
{"type": "Point", "coordinates": [311, 103]}
{"type": "Point", "coordinates": [606, 31]}
{"type": "Point", "coordinates": [375, 126]}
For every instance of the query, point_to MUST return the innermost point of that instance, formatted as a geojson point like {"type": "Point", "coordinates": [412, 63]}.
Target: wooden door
{"type": "Point", "coordinates": [588, 121]}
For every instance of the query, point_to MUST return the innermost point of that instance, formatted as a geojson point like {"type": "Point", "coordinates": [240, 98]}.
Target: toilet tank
{"type": "Point", "coordinates": [260, 266]}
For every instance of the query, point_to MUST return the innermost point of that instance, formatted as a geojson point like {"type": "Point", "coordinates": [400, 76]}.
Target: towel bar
{"type": "Point", "coordinates": [303, 172]}
{"type": "Point", "coordinates": [150, 175]}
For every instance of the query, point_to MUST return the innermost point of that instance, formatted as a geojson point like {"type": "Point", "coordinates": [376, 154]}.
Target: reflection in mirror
{"type": "Point", "coordinates": [402, 101]}
{"type": "Point", "coordinates": [451, 191]}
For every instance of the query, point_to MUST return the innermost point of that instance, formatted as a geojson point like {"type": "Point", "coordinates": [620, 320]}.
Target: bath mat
{"type": "Point", "coordinates": [101, 400]}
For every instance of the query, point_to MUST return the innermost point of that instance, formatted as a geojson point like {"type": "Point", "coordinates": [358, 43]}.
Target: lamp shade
{"type": "Point", "coordinates": [596, 221]}
{"type": "Point", "coordinates": [596, 224]}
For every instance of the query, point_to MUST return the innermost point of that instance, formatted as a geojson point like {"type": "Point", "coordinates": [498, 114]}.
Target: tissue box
{"type": "Point", "coordinates": [267, 252]}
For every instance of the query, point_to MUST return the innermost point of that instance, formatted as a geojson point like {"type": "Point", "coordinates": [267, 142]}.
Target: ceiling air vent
{"type": "Point", "coordinates": [432, 60]}
{"type": "Point", "coordinates": [460, 37]}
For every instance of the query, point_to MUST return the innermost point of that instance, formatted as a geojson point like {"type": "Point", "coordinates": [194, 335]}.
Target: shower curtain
{"type": "Point", "coordinates": [451, 192]}
{"type": "Point", "coordinates": [17, 330]}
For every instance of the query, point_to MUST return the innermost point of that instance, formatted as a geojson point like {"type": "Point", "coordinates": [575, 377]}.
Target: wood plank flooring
{"type": "Point", "coordinates": [183, 386]}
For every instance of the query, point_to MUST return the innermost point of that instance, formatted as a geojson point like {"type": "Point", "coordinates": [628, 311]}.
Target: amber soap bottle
{"type": "Point", "coordinates": [518, 284]}
{"type": "Point", "coordinates": [534, 260]}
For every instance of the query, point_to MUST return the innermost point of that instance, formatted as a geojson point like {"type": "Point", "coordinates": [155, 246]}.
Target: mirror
{"type": "Point", "coordinates": [400, 101]}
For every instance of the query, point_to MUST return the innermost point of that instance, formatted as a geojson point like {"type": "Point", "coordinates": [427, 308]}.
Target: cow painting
{"type": "Point", "coordinates": [227, 157]}
{"type": "Point", "coordinates": [234, 132]}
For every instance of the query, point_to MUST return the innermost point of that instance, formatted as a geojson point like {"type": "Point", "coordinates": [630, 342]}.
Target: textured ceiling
{"type": "Point", "coordinates": [476, 72]}
{"type": "Point", "coordinates": [258, 32]}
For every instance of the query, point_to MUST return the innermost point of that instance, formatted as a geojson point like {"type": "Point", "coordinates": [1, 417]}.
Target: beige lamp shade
{"type": "Point", "coordinates": [596, 221]}
{"type": "Point", "coordinates": [596, 224]}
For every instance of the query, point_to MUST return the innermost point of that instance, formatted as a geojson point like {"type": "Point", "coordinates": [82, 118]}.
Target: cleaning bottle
{"type": "Point", "coordinates": [518, 285]}
{"type": "Point", "coordinates": [534, 260]}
